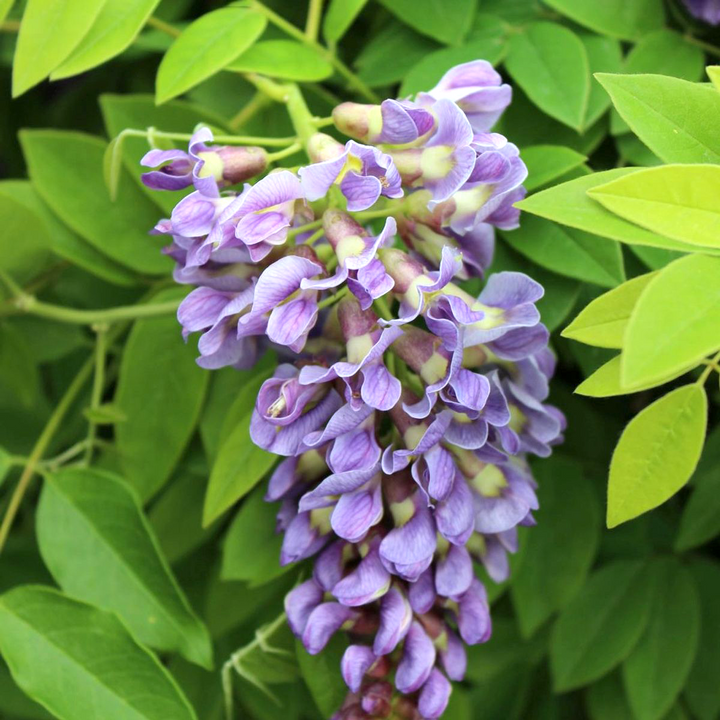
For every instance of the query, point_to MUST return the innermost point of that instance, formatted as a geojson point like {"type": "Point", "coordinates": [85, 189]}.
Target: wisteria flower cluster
{"type": "Point", "coordinates": [404, 407]}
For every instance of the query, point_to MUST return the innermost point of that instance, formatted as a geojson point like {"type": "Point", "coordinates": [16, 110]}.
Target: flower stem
{"type": "Point", "coordinates": [30, 304]}
{"type": "Point", "coordinates": [97, 388]}
{"type": "Point", "coordinates": [294, 232]}
{"type": "Point", "coordinates": [249, 110]}
{"type": "Point", "coordinates": [711, 365]}
{"type": "Point", "coordinates": [312, 24]}
{"type": "Point", "coordinates": [280, 154]}
{"type": "Point", "coordinates": [161, 25]}
{"type": "Point", "coordinates": [228, 139]}
{"type": "Point", "coordinates": [332, 299]}
{"type": "Point", "coordinates": [323, 122]}
{"type": "Point", "coordinates": [381, 307]}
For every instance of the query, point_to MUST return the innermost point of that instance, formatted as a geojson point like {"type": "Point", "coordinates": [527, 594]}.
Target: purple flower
{"type": "Point", "coordinates": [395, 122]}
{"type": "Point", "coordinates": [356, 661]}
{"type": "Point", "coordinates": [434, 695]}
{"type": "Point", "coordinates": [363, 172]}
{"type": "Point", "coordinates": [207, 168]}
{"type": "Point", "coordinates": [478, 91]}
{"type": "Point", "coordinates": [417, 661]}
{"type": "Point", "coordinates": [706, 10]}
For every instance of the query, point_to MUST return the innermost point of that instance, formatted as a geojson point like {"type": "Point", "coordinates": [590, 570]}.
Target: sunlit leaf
{"type": "Point", "coordinates": [446, 22]}
{"type": "Point", "coordinates": [286, 59]}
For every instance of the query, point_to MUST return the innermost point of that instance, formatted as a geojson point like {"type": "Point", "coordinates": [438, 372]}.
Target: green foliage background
{"type": "Point", "coordinates": [126, 476]}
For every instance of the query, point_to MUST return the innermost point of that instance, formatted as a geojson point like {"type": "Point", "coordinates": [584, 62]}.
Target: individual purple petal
{"type": "Point", "coordinates": [356, 661]}
{"type": "Point", "coordinates": [417, 660]}
{"type": "Point", "coordinates": [282, 279]}
{"type": "Point", "coordinates": [300, 602]}
{"type": "Point", "coordinates": [454, 572]}
{"type": "Point", "coordinates": [324, 621]}
{"type": "Point", "coordinates": [453, 657]}
{"type": "Point", "coordinates": [412, 543]}
{"type": "Point", "coordinates": [194, 215]}
{"type": "Point", "coordinates": [282, 480]}
{"type": "Point", "coordinates": [434, 696]}
{"type": "Point", "coordinates": [402, 123]}
{"type": "Point", "coordinates": [454, 516]}
{"type": "Point", "coordinates": [201, 309]}
{"type": "Point", "coordinates": [369, 581]}
{"type": "Point", "coordinates": [275, 189]}
{"type": "Point", "coordinates": [422, 593]}
{"type": "Point", "coordinates": [355, 513]}
{"type": "Point", "coordinates": [474, 615]}
{"type": "Point", "coordinates": [395, 618]}
{"type": "Point", "coordinates": [380, 389]}
{"type": "Point", "coordinates": [289, 324]}
{"type": "Point", "coordinates": [302, 539]}
{"type": "Point", "coordinates": [328, 567]}
{"type": "Point", "coordinates": [361, 191]}
{"type": "Point", "coordinates": [317, 178]}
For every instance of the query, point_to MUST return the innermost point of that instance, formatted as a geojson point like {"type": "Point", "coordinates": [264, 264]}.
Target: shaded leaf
{"type": "Point", "coordinates": [340, 16]}
{"type": "Point", "coordinates": [446, 22]}
{"type": "Point", "coordinates": [546, 163]}
{"type": "Point", "coordinates": [604, 55]}
{"type": "Point", "coordinates": [322, 675]}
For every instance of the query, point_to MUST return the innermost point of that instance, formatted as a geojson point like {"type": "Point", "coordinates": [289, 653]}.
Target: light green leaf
{"type": "Point", "coordinates": [285, 59]}
{"type": "Point", "coordinates": [662, 52]}
{"type": "Point", "coordinates": [322, 675]}
{"type": "Point", "coordinates": [63, 241]}
{"type": "Point", "coordinates": [339, 16]}
{"type": "Point", "coordinates": [66, 170]}
{"type": "Point", "coordinates": [5, 7]}
{"type": "Point", "coordinates": [113, 31]}
{"type": "Point", "coordinates": [677, 201]}
{"type": "Point", "coordinates": [568, 251]}
{"type": "Point", "coordinates": [604, 55]}
{"type": "Point", "coordinates": [700, 521]}
{"type": "Point", "coordinates": [251, 550]}
{"type": "Point", "coordinates": [207, 45]}
{"type": "Point", "coordinates": [623, 19]}
{"type": "Point", "coordinates": [678, 120]}
{"type": "Point", "coordinates": [569, 204]}
{"type": "Point", "coordinates": [50, 30]}
{"type": "Point", "coordinates": [657, 453]}
{"type": "Point", "coordinates": [656, 670]}
{"type": "Point", "coordinates": [545, 580]}
{"type": "Point", "coordinates": [606, 381]}
{"type": "Point", "coordinates": [161, 391]}
{"type": "Point", "coordinates": [675, 322]}
{"type": "Point", "coordinates": [446, 22]}
{"type": "Point", "coordinates": [603, 321]}
{"type": "Point", "coordinates": [550, 64]}
{"type": "Point", "coordinates": [546, 163]}
{"type": "Point", "coordinates": [84, 663]}
{"type": "Point", "coordinates": [99, 548]}
{"type": "Point", "coordinates": [240, 465]}
{"type": "Point", "coordinates": [713, 72]}
{"type": "Point", "coordinates": [601, 626]}
{"type": "Point", "coordinates": [702, 690]}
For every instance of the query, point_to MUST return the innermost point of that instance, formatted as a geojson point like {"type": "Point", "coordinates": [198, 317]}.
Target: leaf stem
{"type": "Point", "coordinates": [711, 365]}
{"type": "Point", "coordinates": [312, 24]}
{"type": "Point", "coordinates": [280, 154]}
{"type": "Point", "coordinates": [294, 232]}
{"type": "Point", "coordinates": [707, 47]}
{"type": "Point", "coordinates": [101, 331]}
{"type": "Point", "coordinates": [332, 299]}
{"type": "Point", "coordinates": [257, 103]}
{"type": "Point", "coordinates": [161, 25]}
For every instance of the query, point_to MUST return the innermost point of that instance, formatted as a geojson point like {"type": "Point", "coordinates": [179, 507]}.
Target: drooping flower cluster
{"type": "Point", "coordinates": [404, 408]}
{"type": "Point", "coordinates": [706, 10]}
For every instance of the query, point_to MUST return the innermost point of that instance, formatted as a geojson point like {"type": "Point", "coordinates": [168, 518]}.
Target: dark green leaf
{"type": "Point", "coordinates": [606, 700]}
{"type": "Point", "coordinates": [84, 663]}
{"type": "Point", "coordinates": [546, 163]}
{"type": "Point", "coordinates": [322, 675]}
{"type": "Point", "coordinates": [604, 55]}
{"type": "Point", "coordinates": [99, 547]}
{"type": "Point", "coordinates": [601, 626]}
{"type": "Point", "coordinates": [446, 22]}
{"type": "Point", "coordinates": [560, 550]}
{"type": "Point", "coordinates": [161, 391]}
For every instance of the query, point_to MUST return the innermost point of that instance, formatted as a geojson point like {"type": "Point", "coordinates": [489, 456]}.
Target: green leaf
{"type": "Point", "coordinates": [546, 163]}
{"type": "Point", "coordinates": [84, 663]}
{"type": "Point", "coordinates": [569, 204]}
{"type": "Point", "coordinates": [606, 381]}
{"type": "Point", "coordinates": [702, 690]}
{"type": "Point", "coordinates": [632, 151]}
{"type": "Point", "coordinates": [700, 520]}
{"type": "Point", "coordinates": [603, 321]}
{"type": "Point", "coordinates": [550, 64]}
{"type": "Point", "coordinates": [601, 626]}
{"type": "Point", "coordinates": [161, 391]}
{"type": "Point", "coordinates": [251, 549]}
{"type": "Point", "coordinates": [677, 201]}
{"type": "Point", "coordinates": [18, 368]}
{"type": "Point", "coordinates": [322, 675]}
{"type": "Point", "coordinates": [678, 120]}
{"type": "Point", "coordinates": [176, 516]}
{"type": "Point", "coordinates": [654, 258]}
{"type": "Point", "coordinates": [656, 670]}
{"type": "Point", "coordinates": [5, 7]}
{"type": "Point", "coordinates": [339, 16]}
{"type": "Point", "coordinates": [604, 55]}
{"type": "Point", "coordinates": [62, 240]}
{"type": "Point", "coordinates": [657, 453]}
{"type": "Point", "coordinates": [546, 579]}
{"type": "Point", "coordinates": [662, 52]}
{"type": "Point", "coordinates": [240, 465]}
{"type": "Point", "coordinates": [66, 170]}
{"type": "Point", "coordinates": [568, 251]}
{"type": "Point", "coordinates": [5, 464]}
{"type": "Point", "coordinates": [50, 30]}
{"type": "Point", "coordinates": [206, 46]}
{"type": "Point", "coordinates": [446, 22]}
{"type": "Point", "coordinates": [606, 699]}
{"type": "Point", "coordinates": [623, 19]}
{"type": "Point", "coordinates": [98, 546]}
{"type": "Point", "coordinates": [713, 72]}
{"type": "Point", "coordinates": [287, 59]}
{"type": "Point", "coordinates": [675, 322]}
{"type": "Point", "coordinates": [117, 25]}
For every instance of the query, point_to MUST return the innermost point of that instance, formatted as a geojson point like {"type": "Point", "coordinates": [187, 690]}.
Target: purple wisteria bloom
{"type": "Point", "coordinates": [706, 10]}
{"type": "Point", "coordinates": [404, 409]}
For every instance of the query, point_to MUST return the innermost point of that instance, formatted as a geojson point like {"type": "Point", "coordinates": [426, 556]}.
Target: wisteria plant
{"type": "Point", "coordinates": [287, 366]}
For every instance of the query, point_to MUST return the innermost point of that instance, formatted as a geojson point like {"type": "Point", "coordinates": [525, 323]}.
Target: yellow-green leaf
{"type": "Point", "coordinates": [657, 453]}
{"type": "Point", "coordinates": [676, 321]}
{"type": "Point", "coordinates": [677, 201]}
{"type": "Point", "coordinates": [207, 45]}
{"type": "Point", "coordinates": [602, 322]}
{"type": "Point", "coordinates": [285, 59]}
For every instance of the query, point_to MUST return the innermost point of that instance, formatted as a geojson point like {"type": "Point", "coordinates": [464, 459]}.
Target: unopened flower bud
{"type": "Point", "coordinates": [322, 147]}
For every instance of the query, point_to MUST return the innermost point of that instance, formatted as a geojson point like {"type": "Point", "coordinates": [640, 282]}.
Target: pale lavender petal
{"type": "Point", "coordinates": [454, 572]}
{"type": "Point", "coordinates": [356, 661]}
{"type": "Point", "coordinates": [274, 189]}
{"type": "Point", "coordinates": [454, 657]}
{"type": "Point", "coordinates": [300, 602]}
{"type": "Point", "coordinates": [317, 178]}
{"type": "Point", "coordinates": [361, 191]}
{"type": "Point", "coordinates": [454, 516]}
{"type": "Point", "coordinates": [380, 389]}
{"type": "Point", "coordinates": [355, 513]}
{"type": "Point", "coordinates": [422, 593]}
{"type": "Point", "coordinates": [369, 581]}
{"type": "Point", "coordinates": [434, 696]}
{"type": "Point", "coordinates": [417, 660]}
{"type": "Point", "coordinates": [292, 321]}
{"type": "Point", "coordinates": [328, 568]}
{"type": "Point", "coordinates": [395, 618]}
{"type": "Point", "coordinates": [324, 621]}
{"type": "Point", "coordinates": [412, 543]}
{"type": "Point", "coordinates": [280, 280]}
{"type": "Point", "coordinates": [474, 615]}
